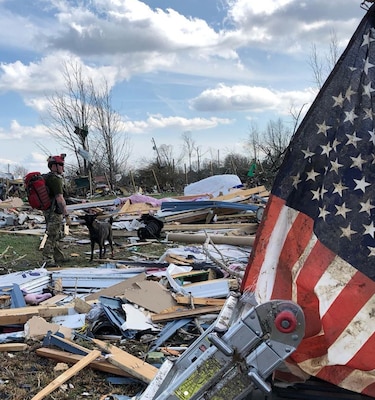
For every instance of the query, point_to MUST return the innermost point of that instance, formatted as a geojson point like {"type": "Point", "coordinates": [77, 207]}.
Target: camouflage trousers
{"type": "Point", "coordinates": [54, 230]}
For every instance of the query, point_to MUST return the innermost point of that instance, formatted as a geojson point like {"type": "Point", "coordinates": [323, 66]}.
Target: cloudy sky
{"type": "Point", "coordinates": [209, 67]}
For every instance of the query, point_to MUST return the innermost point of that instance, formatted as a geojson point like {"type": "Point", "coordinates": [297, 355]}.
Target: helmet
{"type": "Point", "coordinates": [56, 160]}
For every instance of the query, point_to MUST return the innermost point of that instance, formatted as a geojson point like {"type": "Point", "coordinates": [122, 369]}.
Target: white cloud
{"type": "Point", "coordinates": [36, 80]}
{"type": "Point", "coordinates": [18, 132]}
{"type": "Point", "coordinates": [178, 123]}
{"type": "Point", "coordinates": [114, 28]}
{"type": "Point", "coordinates": [240, 8]}
{"type": "Point", "coordinates": [249, 98]}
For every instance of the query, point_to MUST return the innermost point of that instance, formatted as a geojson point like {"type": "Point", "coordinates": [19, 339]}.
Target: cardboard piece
{"type": "Point", "coordinates": [150, 295]}
{"type": "Point", "coordinates": [37, 327]}
{"type": "Point", "coordinates": [118, 289]}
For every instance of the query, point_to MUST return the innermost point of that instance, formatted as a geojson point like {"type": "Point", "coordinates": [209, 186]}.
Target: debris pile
{"type": "Point", "coordinates": [162, 304]}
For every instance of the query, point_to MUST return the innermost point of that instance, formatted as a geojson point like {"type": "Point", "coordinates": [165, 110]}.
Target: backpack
{"type": "Point", "coordinates": [37, 191]}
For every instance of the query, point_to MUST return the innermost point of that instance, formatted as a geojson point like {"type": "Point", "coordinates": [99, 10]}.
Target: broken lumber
{"type": "Point", "coordinates": [43, 242]}
{"type": "Point", "coordinates": [127, 362]}
{"type": "Point", "coordinates": [217, 239]}
{"type": "Point", "coordinates": [243, 193]}
{"type": "Point", "coordinates": [67, 375]}
{"type": "Point", "coordinates": [202, 301]}
{"type": "Point", "coordinates": [13, 347]}
{"type": "Point", "coordinates": [21, 315]}
{"type": "Point", "coordinates": [164, 317]}
{"type": "Point", "coordinates": [70, 358]}
{"type": "Point", "coordinates": [200, 227]}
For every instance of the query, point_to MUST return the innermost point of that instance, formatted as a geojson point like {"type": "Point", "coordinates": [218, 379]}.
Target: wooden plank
{"type": "Point", "coordinates": [201, 301]}
{"type": "Point", "coordinates": [69, 358]}
{"type": "Point", "coordinates": [217, 239]}
{"type": "Point", "coordinates": [43, 242]}
{"type": "Point", "coordinates": [164, 317]}
{"type": "Point", "coordinates": [178, 260]}
{"type": "Point", "coordinates": [53, 300]}
{"type": "Point", "coordinates": [241, 193]}
{"type": "Point", "coordinates": [188, 216]}
{"type": "Point", "coordinates": [81, 306]}
{"type": "Point", "coordinates": [137, 208]}
{"type": "Point", "coordinates": [13, 346]}
{"type": "Point", "coordinates": [67, 375]}
{"type": "Point", "coordinates": [200, 227]}
{"type": "Point", "coordinates": [127, 362]}
{"type": "Point", "coordinates": [21, 315]}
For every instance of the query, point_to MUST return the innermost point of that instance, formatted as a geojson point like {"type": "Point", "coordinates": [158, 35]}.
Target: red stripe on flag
{"type": "Point", "coordinates": [365, 356]}
{"type": "Point", "coordinates": [264, 231]}
{"type": "Point", "coordinates": [362, 361]}
{"type": "Point", "coordinates": [310, 348]}
{"type": "Point", "coordinates": [335, 374]}
{"type": "Point", "coordinates": [315, 265]}
{"type": "Point", "coordinates": [295, 243]}
{"type": "Point", "coordinates": [356, 293]}
{"type": "Point", "coordinates": [370, 390]}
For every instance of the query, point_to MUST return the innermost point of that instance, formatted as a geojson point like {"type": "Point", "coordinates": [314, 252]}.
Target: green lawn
{"type": "Point", "coordinates": [18, 252]}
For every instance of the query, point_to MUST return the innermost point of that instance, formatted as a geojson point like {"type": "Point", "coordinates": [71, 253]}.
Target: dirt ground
{"type": "Point", "coordinates": [24, 374]}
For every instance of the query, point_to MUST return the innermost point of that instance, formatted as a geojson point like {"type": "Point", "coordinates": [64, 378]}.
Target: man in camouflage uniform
{"type": "Point", "coordinates": [52, 252]}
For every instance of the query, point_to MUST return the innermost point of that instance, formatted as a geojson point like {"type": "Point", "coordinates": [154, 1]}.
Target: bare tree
{"type": "Point", "coordinates": [199, 152]}
{"type": "Point", "coordinates": [19, 170]}
{"type": "Point", "coordinates": [188, 146]}
{"type": "Point", "coordinates": [254, 141]}
{"type": "Point", "coordinates": [112, 148]}
{"type": "Point", "coordinates": [268, 149]}
{"type": "Point", "coordinates": [321, 68]}
{"type": "Point", "coordinates": [70, 112]}
{"type": "Point", "coordinates": [296, 116]}
{"type": "Point", "coordinates": [165, 152]}
{"type": "Point", "coordinates": [82, 119]}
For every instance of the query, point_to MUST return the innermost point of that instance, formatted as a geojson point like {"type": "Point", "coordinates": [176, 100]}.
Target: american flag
{"type": "Point", "coordinates": [316, 242]}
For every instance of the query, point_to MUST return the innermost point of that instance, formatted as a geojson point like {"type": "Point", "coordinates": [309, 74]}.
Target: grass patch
{"type": "Point", "coordinates": [19, 252]}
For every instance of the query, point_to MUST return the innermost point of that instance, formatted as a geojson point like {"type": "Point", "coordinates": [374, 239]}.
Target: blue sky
{"type": "Point", "coordinates": [209, 67]}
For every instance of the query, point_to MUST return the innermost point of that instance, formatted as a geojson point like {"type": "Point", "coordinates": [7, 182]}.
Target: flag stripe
{"type": "Point", "coordinates": [264, 233]}
{"type": "Point", "coordinates": [264, 272]}
{"type": "Point", "coordinates": [365, 355]}
{"type": "Point", "coordinates": [351, 321]}
{"type": "Point", "coordinates": [294, 246]}
{"type": "Point", "coordinates": [313, 269]}
{"type": "Point", "coordinates": [357, 380]}
{"type": "Point", "coordinates": [332, 282]}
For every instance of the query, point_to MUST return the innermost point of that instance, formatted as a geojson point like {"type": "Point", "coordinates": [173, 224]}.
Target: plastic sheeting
{"type": "Point", "coordinates": [216, 185]}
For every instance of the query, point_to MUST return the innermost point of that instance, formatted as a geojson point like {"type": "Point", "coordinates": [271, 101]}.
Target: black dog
{"type": "Point", "coordinates": [152, 229]}
{"type": "Point", "coordinates": [100, 231]}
